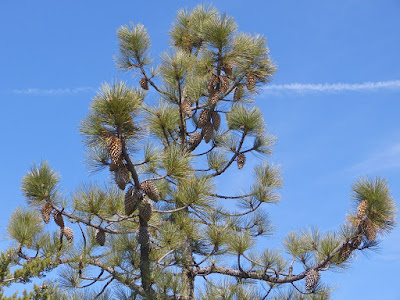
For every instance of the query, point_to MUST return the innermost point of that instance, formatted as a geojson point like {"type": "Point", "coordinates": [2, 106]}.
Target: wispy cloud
{"type": "Point", "coordinates": [382, 160]}
{"type": "Point", "coordinates": [53, 92]}
{"type": "Point", "coordinates": [332, 87]}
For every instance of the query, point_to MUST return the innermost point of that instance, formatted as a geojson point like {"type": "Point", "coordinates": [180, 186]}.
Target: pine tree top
{"type": "Point", "coordinates": [160, 223]}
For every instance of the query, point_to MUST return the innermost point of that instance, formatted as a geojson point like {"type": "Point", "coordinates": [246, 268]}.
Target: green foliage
{"type": "Point", "coordinates": [269, 175]}
{"type": "Point", "coordinates": [170, 236]}
{"type": "Point", "coordinates": [248, 120]}
{"type": "Point", "coordinates": [92, 199]}
{"type": "Point", "coordinates": [174, 67]}
{"type": "Point", "coordinates": [39, 184]}
{"type": "Point", "coordinates": [134, 45]}
{"type": "Point", "coordinates": [49, 243]}
{"type": "Point", "coordinates": [69, 278]}
{"type": "Point", "coordinates": [217, 235]}
{"type": "Point", "coordinates": [24, 225]}
{"type": "Point", "coordinates": [33, 268]}
{"type": "Point", "coordinates": [187, 31]}
{"type": "Point", "coordinates": [226, 140]}
{"type": "Point", "coordinates": [251, 53]}
{"type": "Point", "coordinates": [151, 158]}
{"type": "Point", "coordinates": [176, 162]}
{"type": "Point", "coordinates": [219, 31]}
{"type": "Point", "coordinates": [321, 293]}
{"type": "Point", "coordinates": [381, 207]}
{"type": "Point", "coordinates": [216, 160]}
{"type": "Point", "coordinates": [228, 290]}
{"type": "Point", "coordinates": [163, 121]}
{"type": "Point", "coordinates": [6, 262]}
{"type": "Point", "coordinates": [114, 107]}
{"type": "Point", "coordinates": [194, 191]}
{"type": "Point", "coordinates": [168, 283]}
{"type": "Point", "coordinates": [239, 242]}
{"type": "Point", "coordinates": [327, 245]}
{"type": "Point", "coordinates": [268, 180]}
{"type": "Point", "coordinates": [294, 245]}
{"type": "Point", "coordinates": [263, 142]}
{"type": "Point", "coordinates": [41, 292]}
{"type": "Point", "coordinates": [273, 259]}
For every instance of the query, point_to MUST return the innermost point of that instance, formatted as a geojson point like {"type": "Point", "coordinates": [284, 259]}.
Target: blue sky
{"type": "Point", "coordinates": [333, 104]}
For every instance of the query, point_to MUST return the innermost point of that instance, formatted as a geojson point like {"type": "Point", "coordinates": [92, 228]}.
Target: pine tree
{"type": "Point", "coordinates": [158, 226]}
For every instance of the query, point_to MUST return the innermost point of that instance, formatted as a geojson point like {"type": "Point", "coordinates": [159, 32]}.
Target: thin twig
{"type": "Point", "coordinates": [165, 255]}
{"type": "Point", "coordinates": [172, 210]}
{"type": "Point", "coordinates": [104, 288]}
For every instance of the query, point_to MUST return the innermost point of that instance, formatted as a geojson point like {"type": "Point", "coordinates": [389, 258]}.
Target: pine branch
{"type": "Point", "coordinates": [204, 153]}
{"type": "Point", "coordinates": [94, 279]}
{"type": "Point", "coordinates": [89, 223]}
{"type": "Point", "coordinates": [98, 278]}
{"type": "Point", "coordinates": [182, 125]}
{"type": "Point", "coordinates": [151, 81]}
{"type": "Point", "coordinates": [233, 157]}
{"type": "Point", "coordinates": [264, 277]}
{"type": "Point", "coordinates": [172, 210]}
{"type": "Point", "coordinates": [120, 277]}
{"type": "Point", "coordinates": [231, 197]}
{"type": "Point", "coordinates": [269, 291]}
{"type": "Point", "coordinates": [104, 288]}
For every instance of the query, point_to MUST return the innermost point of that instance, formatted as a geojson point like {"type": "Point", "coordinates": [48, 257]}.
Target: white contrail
{"type": "Point", "coordinates": [51, 92]}
{"type": "Point", "coordinates": [288, 87]}
{"type": "Point", "coordinates": [332, 87]}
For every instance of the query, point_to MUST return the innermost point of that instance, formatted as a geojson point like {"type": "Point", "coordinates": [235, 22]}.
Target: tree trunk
{"type": "Point", "coordinates": [187, 271]}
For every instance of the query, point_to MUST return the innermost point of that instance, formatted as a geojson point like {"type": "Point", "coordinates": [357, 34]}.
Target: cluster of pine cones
{"type": "Point", "coordinates": [46, 211]}
{"type": "Point", "coordinates": [367, 226]}
{"type": "Point", "coordinates": [135, 198]}
{"type": "Point", "coordinates": [121, 173]}
{"type": "Point", "coordinates": [209, 119]}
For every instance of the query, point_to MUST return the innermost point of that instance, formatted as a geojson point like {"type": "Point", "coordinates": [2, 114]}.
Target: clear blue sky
{"type": "Point", "coordinates": [333, 104]}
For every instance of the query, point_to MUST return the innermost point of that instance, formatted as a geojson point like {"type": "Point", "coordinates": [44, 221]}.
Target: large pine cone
{"type": "Point", "coordinates": [216, 120]}
{"type": "Point", "coordinates": [207, 132]}
{"type": "Point", "coordinates": [238, 93]}
{"type": "Point", "coordinates": [224, 84]}
{"type": "Point", "coordinates": [212, 82]}
{"type": "Point", "coordinates": [150, 190]}
{"type": "Point", "coordinates": [46, 211]}
{"type": "Point", "coordinates": [121, 177]}
{"type": "Point", "coordinates": [312, 278]}
{"type": "Point", "coordinates": [241, 160]}
{"type": "Point", "coordinates": [115, 149]}
{"type": "Point", "coordinates": [213, 98]}
{"type": "Point", "coordinates": [204, 117]}
{"type": "Point", "coordinates": [186, 107]}
{"type": "Point", "coordinates": [227, 67]}
{"type": "Point", "coordinates": [362, 209]}
{"type": "Point", "coordinates": [100, 237]}
{"type": "Point", "coordinates": [145, 209]}
{"type": "Point", "coordinates": [143, 83]}
{"type": "Point", "coordinates": [194, 140]}
{"type": "Point", "coordinates": [132, 199]}
{"type": "Point", "coordinates": [250, 81]}
{"type": "Point", "coordinates": [68, 233]}
{"type": "Point", "coordinates": [58, 218]}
